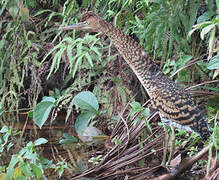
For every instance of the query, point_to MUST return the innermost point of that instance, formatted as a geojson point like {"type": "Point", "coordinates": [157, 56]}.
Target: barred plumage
{"type": "Point", "coordinates": [175, 105]}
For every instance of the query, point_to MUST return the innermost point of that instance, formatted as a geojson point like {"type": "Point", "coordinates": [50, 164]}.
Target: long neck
{"type": "Point", "coordinates": [133, 54]}
{"type": "Point", "coordinates": [131, 51]}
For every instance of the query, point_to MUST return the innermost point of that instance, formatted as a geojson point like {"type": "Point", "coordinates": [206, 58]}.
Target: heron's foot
{"type": "Point", "coordinates": [172, 148]}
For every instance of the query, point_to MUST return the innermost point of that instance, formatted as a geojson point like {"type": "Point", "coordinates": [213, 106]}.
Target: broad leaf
{"type": "Point", "coordinates": [213, 63]}
{"type": "Point", "coordinates": [204, 17]}
{"type": "Point", "coordinates": [87, 101]}
{"type": "Point", "coordinates": [42, 110]}
{"type": "Point", "coordinates": [4, 129]}
{"type": "Point", "coordinates": [26, 169]}
{"type": "Point", "coordinates": [40, 141]}
{"type": "Point", "coordinates": [82, 121]}
{"type": "Point", "coordinates": [68, 139]}
{"type": "Point", "coordinates": [13, 162]}
{"type": "Point", "coordinates": [38, 171]}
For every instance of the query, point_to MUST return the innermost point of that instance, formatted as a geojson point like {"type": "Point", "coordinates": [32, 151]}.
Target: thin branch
{"type": "Point", "coordinates": [197, 85]}
{"type": "Point", "coordinates": [185, 66]}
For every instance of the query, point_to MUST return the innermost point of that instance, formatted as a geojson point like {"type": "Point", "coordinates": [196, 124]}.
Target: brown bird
{"type": "Point", "coordinates": [175, 106]}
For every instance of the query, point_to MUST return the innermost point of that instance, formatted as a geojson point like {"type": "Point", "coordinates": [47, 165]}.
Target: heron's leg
{"type": "Point", "coordinates": [165, 147]}
{"type": "Point", "coordinates": [172, 147]}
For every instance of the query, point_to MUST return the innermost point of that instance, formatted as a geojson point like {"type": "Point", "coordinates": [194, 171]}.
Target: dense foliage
{"type": "Point", "coordinates": [46, 73]}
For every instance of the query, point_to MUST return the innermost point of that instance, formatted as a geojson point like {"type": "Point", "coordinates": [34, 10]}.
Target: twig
{"type": "Point", "coordinates": [185, 166]}
{"type": "Point", "coordinates": [191, 161]}
{"type": "Point", "coordinates": [185, 66]}
{"type": "Point", "coordinates": [197, 85]}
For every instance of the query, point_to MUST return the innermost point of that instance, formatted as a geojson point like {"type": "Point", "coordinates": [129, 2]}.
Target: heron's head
{"type": "Point", "coordinates": [89, 20]}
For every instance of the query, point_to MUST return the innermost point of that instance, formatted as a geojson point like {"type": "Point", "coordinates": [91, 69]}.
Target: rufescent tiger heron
{"type": "Point", "coordinates": [175, 106]}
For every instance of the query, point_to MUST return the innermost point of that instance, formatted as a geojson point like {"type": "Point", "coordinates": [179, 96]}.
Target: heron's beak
{"type": "Point", "coordinates": [77, 26]}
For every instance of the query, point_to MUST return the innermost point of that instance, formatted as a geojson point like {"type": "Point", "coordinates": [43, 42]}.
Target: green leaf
{"type": "Point", "coordinates": [30, 114]}
{"type": "Point", "coordinates": [30, 144]}
{"type": "Point", "coordinates": [204, 17]}
{"type": "Point", "coordinates": [13, 162]}
{"type": "Point", "coordinates": [89, 59]}
{"type": "Point", "coordinates": [135, 105]}
{"type": "Point", "coordinates": [213, 63]}
{"type": "Point", "coordinates": [41, 12]}
{"type": "Point", "coordinates": [4, 129]}
{"type": "Point", "coordinates": [14, 11]}
{"type": "Point", "coordinates": [40, 141]}
{"type": "Point", "coordinates": [186, 58]}
{"type": "Point", "coordinates": [69, 52]}
{"type": "Point", "coordinates": [82, 122]}
{"type": "Point", "coordinates": [9, 146]}
{"type": "Point", "coordinates": [25, 167]}
{"type": "Point", "coordinates": [95, 49]}
{"type": "Point", "coordinates": [71, 61]}
{"type": "Point", "coordinates": [56, 61]}
{"type": "Point", "coordinates": [6, 136]}
{"type": "Point", "coordinates": [77, 65]}
{"type": "Point", "coordinates": [31, 156]}
{"type": "Point", "coordinates": [68, 139]}
{"type": "Point", "coordinates": [46, 163]}
{"type": "Point", "coordinates": [86, 100]}
{"type": "Point", "coordinates": [146, 112]}
{"type": "Point", "coordinates": [38, 171]}
{"type": "Point", "coordinates": [136, 108]}
{"type": "Point", "coordinates": [42, 110]}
